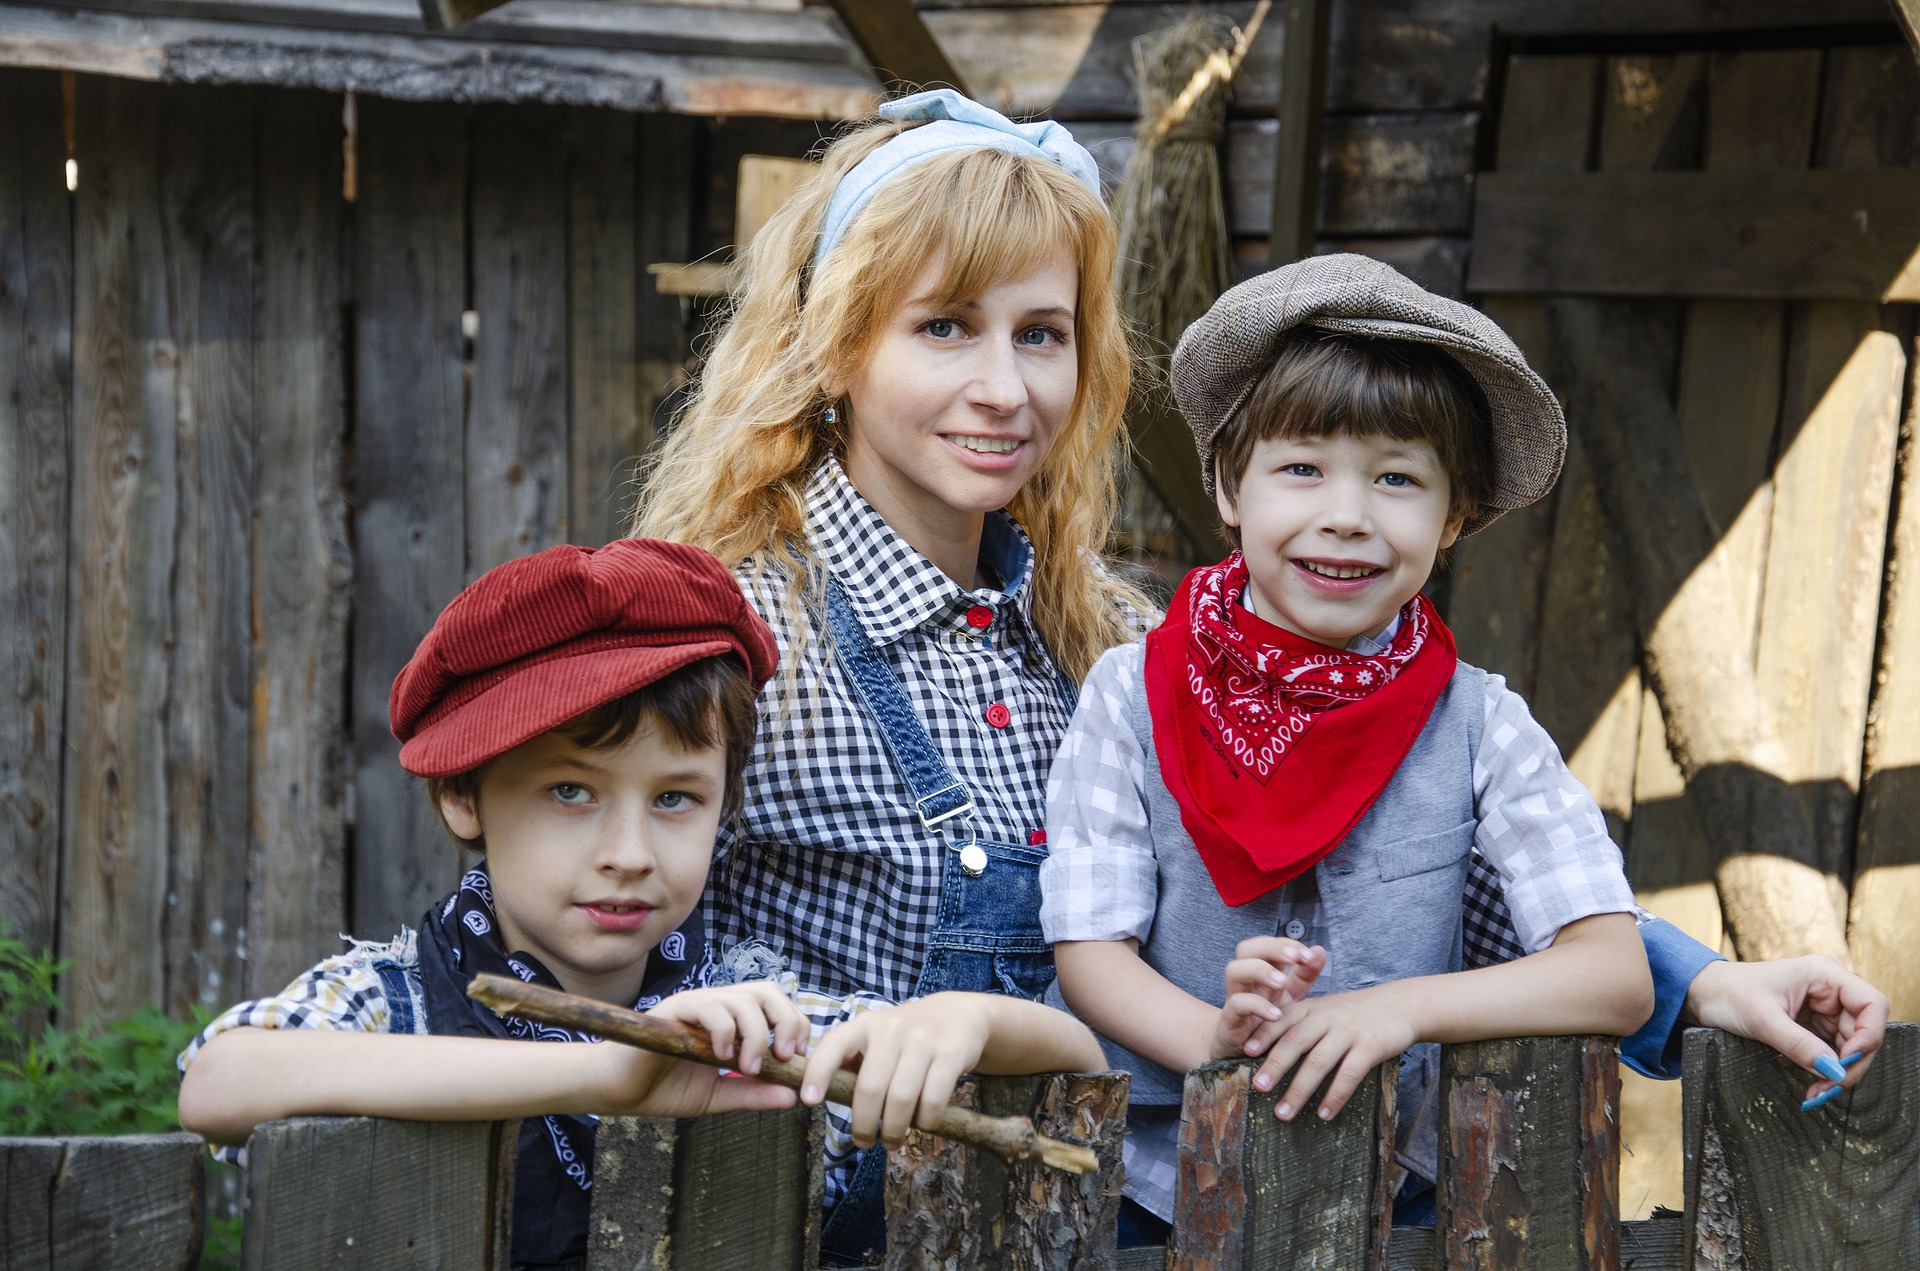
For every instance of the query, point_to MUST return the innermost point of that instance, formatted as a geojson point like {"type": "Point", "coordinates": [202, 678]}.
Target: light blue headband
{"type": "Point", "coordinates": [956, 123]}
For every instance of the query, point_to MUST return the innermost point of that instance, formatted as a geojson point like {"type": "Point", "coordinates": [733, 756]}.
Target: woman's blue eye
{"type": "Point", "coordinates": [567, 792]}
{"type": "Point", "coordinates": [942, 328]}
{"type": "Point", "coordinates": [1036, 337]}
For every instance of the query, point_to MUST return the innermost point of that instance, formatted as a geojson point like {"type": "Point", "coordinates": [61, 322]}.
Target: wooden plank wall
{"type": "Point", "coordinates": [253, 436]}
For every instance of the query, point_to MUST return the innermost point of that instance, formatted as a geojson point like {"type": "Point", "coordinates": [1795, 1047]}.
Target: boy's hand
{"type": "Point", "coordinates": [1346, 1034]}
{"type": "Point", "coordinates": [1266, 974]}
{"type": "Point", "coordinates": [909, 1057]}
{"type": "Point", "coordinates": [744, 1022]}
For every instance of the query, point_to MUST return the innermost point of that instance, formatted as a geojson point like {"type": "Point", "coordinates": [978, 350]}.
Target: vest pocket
{"type": "Point", "coordinates": [1429, 852]}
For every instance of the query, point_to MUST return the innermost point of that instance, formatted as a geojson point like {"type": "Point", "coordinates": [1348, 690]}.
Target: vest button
{"type": "Point", "coordinates": [998, 715]}
{"type": "Point", "coordinates": [1296, 930]}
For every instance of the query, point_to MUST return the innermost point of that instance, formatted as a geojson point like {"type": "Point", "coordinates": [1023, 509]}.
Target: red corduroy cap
{"type": "Point", "coordinates": [540, 640]}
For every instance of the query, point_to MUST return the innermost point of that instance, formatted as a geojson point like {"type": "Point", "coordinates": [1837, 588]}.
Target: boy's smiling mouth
{"type": "Point", "coordinates": [1339, 571]}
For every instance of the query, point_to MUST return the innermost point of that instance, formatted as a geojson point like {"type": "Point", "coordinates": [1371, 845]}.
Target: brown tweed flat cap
{"type": "Point", "coordinates": [1223, 355]}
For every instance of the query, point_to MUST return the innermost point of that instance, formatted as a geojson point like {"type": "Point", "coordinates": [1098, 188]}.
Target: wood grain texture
{"type": "Point", "coordinates": [516, 445]}
{"type": "Point", "coordinates": [409, 439]}
{"type": "Point", "coordinates": [361, 1192]}
{"type": "Point", "coordinates": [943, 1203]}
{"type": "Point", "coordinates": [1066, 1222]}
{"type": "Point", "coordinates": [1294, 208]}
{"type": "Point", "coordinates": [1212, 1192]}
{"type": "Point", "coordinates": [302, 564]}
{"type": "Point", "coordinates": [721, 1224]}
{"type": "Point", "coordinates": [667, 152]}
{"type": "Point", "coordinates": [896, 43]}
{"type": "Point", "coordinates": [606, 428]}
{"type": "Point", "coordinates": [126, 476]}
{"type": "Point", "coordinates": [36, 352]}
{"type": "Point", "coordinates": [630, 1228]}
{"type": "Point", "coordinates": [1649, 1245]}
{"type": "Point", "coordinates": [206, 205]}
{"type": "Point", "coordinates": [1770, 1187]}
{"type": "Point", "coordinates": [1530, 1146]}
{"type": "Point", "coordinates": [95, 1204]}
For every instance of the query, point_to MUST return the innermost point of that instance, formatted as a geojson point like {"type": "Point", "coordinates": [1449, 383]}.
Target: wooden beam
{"type": "Point", "coordinates": [1813, 235]}
{"type": "Point", "coordinates": [444, 15]}
{"type": "Point", "coordinates": [1907, 13]}
{"type": "Point", "coordinates": [1303, 95]}
{"type": "Point", "coordinates": [897, 44]}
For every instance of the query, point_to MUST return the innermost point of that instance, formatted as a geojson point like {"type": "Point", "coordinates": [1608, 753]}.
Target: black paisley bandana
{"type": "Point", "coordinates": [553, 1184]}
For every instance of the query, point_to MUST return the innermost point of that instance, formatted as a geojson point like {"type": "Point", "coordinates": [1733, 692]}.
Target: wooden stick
{"type": "Point", "coordinates": [1013, 1138]}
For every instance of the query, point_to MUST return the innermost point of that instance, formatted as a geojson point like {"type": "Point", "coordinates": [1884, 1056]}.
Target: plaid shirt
{"type": "Point", "coordinates": [829, 862]}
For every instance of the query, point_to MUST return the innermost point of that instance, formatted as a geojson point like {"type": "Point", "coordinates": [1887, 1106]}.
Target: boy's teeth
{"type": "Point", "coordinates": [1339, 571]}
{"type": "Point", "coordinates": [986, 445]}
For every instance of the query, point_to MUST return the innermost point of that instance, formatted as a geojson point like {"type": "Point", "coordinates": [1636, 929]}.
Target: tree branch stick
{"type": "Point", "coordinates": [1012, 1138]}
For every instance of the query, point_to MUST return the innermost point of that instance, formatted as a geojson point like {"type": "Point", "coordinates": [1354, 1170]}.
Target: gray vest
{"type": "Point", "coordinates": [1391, 892]}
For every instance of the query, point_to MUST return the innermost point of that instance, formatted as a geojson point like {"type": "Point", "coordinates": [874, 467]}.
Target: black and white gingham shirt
{"type": "Point", "coordinates": [828, 861]}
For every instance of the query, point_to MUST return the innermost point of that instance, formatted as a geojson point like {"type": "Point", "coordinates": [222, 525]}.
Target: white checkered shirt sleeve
{"type": "Point", "coordinates": [1100, 880]}
{"type": "Point", "coordinates": [1539, 828]}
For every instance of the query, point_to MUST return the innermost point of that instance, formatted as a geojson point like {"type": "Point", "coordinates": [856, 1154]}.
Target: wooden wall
{"type": "Point", "coordinates": [252, 436]}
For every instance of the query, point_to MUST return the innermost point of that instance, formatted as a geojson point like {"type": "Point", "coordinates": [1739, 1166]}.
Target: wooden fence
{"type": "Point", "coordinates": [1530, 1179]}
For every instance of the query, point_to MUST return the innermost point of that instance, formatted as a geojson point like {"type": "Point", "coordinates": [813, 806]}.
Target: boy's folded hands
{"type": "Point", "coordinates": [1266, 974]}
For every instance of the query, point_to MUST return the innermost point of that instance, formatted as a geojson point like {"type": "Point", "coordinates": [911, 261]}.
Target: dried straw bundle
{"type": "Point", "coordinates": [1175, 254]}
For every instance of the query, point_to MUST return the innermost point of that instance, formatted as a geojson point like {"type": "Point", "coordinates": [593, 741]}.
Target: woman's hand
{"type": "Point", "coordinates": [1266, 974]}
{"type": "Point", "coordinates": [1806, 1008]}
{"type": "Point", "coordinates": [909, 1058]}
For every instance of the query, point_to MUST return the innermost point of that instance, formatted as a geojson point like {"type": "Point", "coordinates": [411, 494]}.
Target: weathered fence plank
{"type": "Point", "coordinates": [1770, 1187]}
{"type": "Point", "coordinates": [100, 1204]}
{"type": "Point", "coordinates": [1530, 1154]}
{"type": "Point", "coordinates": [516, 441]}
{"type": "Point", "coordinates": [666, 150]}
{"type": "Point", "coordinates": [302, 565]}
{"type": "Point", "coordinates": [365, 1193]}
{"type": "Point", "coordinates": [408, 477]}
{"type": "Point", "coordinates": [949, 1204]}
{"type": "Point", "coordinates": [607, 430]}
{"type": "Point", "coordinates": [736, 1192]}
{"type": "Point", "coordinates": [1254, 1191]}
{"type": "Point", "coordinates": [125, 509]}
{"type": "Point", "coordinates": [36, 351]}
{"type": "Point", "coordinates": [206, 204]}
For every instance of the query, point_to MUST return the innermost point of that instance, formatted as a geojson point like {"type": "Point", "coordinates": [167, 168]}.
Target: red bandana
{"type": "Point", "coordinates": [1237, 702]}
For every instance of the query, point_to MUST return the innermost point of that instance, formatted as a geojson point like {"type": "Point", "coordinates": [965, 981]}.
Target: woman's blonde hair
{"type": "Point", "coordinates": [732, 475]}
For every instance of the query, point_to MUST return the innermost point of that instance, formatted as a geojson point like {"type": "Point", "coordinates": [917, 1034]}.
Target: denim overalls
{"type": "Point", "coordinates": [986, 937]}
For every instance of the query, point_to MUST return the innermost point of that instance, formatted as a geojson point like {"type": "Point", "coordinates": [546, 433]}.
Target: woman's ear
{"type": "Point", "coordinates": [462, 815]}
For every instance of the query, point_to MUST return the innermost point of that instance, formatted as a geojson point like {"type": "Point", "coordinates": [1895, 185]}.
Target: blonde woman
{"type": "Point", "coordinates": [904, 442]}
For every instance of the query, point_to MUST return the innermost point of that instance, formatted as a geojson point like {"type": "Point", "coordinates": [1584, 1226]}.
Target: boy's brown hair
{"type": "Point", "coordinates": [1330, 384]}
{"type": "Point", "coordinates": [703, 704]}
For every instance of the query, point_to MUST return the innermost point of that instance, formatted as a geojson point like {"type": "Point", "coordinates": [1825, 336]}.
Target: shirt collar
{"type": "Point", "coordinates": [893, 588]}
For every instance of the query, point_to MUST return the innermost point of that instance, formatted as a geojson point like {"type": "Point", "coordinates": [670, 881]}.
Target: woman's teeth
{"type": "Point", "coordinates": [985, 445]}
{"type": "Point", "coordinates": [1339, 571]}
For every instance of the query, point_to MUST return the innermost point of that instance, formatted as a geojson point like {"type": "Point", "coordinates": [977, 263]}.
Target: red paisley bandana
{"type": "Point", "coordinates": [1273, 745]}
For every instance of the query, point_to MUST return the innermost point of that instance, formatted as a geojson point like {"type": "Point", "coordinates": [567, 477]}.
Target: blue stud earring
{"type": "Point", "coordinates": [833, 415]}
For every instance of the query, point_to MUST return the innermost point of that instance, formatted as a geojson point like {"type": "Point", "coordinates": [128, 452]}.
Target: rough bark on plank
{"type": "Point", "coordinates": [1294, 207]}
{"type": "Point", "coordinates": [606, 427]}
{"type": "Point", "coordinates": [407, 68]}
{"type": "Point", "coordinates": [94, 1204]}
{"type": "Point", "coordinates": [302, 564]}
{"type": "Point", "coordinates": [1059, 1221]}
{"type": "Point", "coordinates": [125, 509]}
{"type": "Point", "coordinates": [1770, 1187]}
{"type": "Point", "coordinates": [1530, 1153]}
{"type": "Point", "coordinates": [1718, 727]}
{"type": "Point", "coordinates": [516, 444]}
{"type": "Point", "coordinates": [361, 1192]}
{"type": "Point", "coordinates": [1255, 1191]}
{"type": "Point", "coordinates": [719, 1224]}
{"type": "Point", "coordinates": [1886, 877]}
{"type": "Point", "coordinates": [630, 1227]}
{"type": "Point", "coordinates": [36, 357]}
{"type": "Point", "coordinates": [409, 436]}
{"type": "Point", "coordinates": [943, 1203]}
{"type": "Point", "coordinates": [206, 193]}
{"type": "Point", "coordinates": [1651, 1244]}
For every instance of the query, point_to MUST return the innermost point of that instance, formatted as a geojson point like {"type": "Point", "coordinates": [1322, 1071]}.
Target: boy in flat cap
{"type": "Point", "coordinates": [1287, 778]}
{"type": "Point", "coordinates": [582, 718]}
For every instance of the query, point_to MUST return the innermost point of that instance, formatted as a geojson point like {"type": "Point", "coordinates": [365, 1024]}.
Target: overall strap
{"type": "Point", "coordinates": [945, 806]}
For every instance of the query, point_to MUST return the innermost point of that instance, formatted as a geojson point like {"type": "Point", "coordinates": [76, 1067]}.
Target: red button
{"type": "Point", "coordinates": [1037, 838]}
{"type": "Point", "coordinates": [998, 715]}
{"type": "Point", "coordinates": [979, 617]}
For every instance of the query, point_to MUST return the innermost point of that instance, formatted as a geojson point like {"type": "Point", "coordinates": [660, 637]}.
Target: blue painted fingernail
{"type": "Point", "coordinates": [1829, 1067]}
{"type": "Point", "coordinates": [1852, 1059]}
{"type": "Point", "coordinates": [1818, 1100]}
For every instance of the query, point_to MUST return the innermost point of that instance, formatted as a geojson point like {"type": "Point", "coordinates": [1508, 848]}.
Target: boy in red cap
{"type": "Point", "coordinates": [582, 719]}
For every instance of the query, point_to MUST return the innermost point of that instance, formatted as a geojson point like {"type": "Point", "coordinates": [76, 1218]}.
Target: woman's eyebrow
{"type": "Point", "coordinates": [1052, 311]}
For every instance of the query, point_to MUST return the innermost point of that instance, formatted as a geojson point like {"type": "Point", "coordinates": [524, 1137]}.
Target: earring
{"type": "Point", "coordinates": [833, 415]}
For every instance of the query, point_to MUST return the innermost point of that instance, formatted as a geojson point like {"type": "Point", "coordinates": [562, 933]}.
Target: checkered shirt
{"type": "Point", "coordinates": [829, 862]}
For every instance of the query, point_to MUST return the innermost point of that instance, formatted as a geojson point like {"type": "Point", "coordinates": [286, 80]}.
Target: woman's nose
{"type": "Point", "coordinates": [998, 384]}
